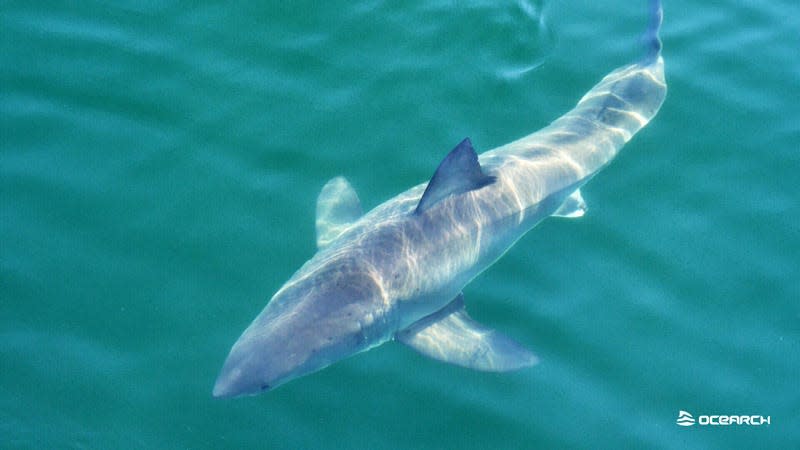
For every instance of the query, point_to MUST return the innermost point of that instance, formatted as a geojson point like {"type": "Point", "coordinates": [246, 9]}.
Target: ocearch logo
{"type": "Point", "coordinates": [685, 419]}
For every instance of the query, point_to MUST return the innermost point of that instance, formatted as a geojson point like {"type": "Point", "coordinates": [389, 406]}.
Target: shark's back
{"type": "Point", "coordinates": [590, 135]}
{"type": "Point", "coordinates": [535, 175]}
{"type": "Point", "coordinates": [540, 170]}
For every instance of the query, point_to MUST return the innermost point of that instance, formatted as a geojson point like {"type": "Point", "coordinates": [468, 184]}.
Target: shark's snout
{"type": "Point", "coordinates": [232, 381]}
{"type": "Point", "coordinates": [244, 373]}
{"type": "Point", "coordinates": [225, 386]}
{"type": "Point", "coordinates": [303, 329]}
{"type": "Point", "coordinates": [266, 357]}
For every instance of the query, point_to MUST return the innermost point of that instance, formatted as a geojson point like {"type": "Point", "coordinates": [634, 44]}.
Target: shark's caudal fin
{"type": "Point", "coordinates": [450, 335]}
{"type": "Point", "coordinates": [459, 172]}
{"type": "Point", "coordinates": [337, 207]}
{"type": "Point", "coordinates": [651, 40]}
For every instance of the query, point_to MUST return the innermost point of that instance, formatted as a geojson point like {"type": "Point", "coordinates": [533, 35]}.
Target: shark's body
{"type": "Point", "coordinates": [397, 271]}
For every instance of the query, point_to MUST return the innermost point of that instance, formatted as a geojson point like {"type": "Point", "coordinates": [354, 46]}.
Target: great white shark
{"type": "Point", "coordinates": [396, 273]}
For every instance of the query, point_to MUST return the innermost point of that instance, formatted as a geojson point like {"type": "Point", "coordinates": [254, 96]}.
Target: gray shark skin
{"type": "Point", "coordinates": [396, 273]}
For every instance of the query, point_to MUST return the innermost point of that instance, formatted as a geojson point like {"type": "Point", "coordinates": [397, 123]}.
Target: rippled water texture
{"type": "Point", "coordinates": [160, 163]}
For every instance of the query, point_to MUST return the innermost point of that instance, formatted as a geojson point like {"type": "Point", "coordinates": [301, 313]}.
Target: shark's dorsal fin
{"type": "Point", "coordinates": [459, 172]}
{"type": "Point", "coordinates": [337, 207]}
{"type": "Point", "coordinates": [450, 335]}
{"type": "Point", "coordinates": [573, 206]}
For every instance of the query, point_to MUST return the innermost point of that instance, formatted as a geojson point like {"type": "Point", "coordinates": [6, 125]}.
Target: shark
{"type": "Point", "coordinates": [397, 272]}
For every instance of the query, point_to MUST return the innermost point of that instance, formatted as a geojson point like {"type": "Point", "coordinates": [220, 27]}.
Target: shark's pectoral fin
{"type": "Point", "coordinates": [337, 207]}
{"type": "Point", "coordinates": [573, 206]}
{"type": "Point", "coordinates": [450, 335]}
{"type": "Point", "coordinates": [458, 172]}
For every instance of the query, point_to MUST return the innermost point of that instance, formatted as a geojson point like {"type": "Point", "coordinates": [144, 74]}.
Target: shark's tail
{"type": "Point", "coordinates": [651, 40]}
{"type": "Point", "coordinates": [609, 115]}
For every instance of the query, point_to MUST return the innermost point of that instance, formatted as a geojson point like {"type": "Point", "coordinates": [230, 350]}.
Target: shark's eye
{"type": "Point", "coordinates": [264, 386]}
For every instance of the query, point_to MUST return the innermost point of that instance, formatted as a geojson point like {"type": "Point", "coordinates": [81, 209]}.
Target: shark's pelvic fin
{"type": "Point", "coordinates": [573, 206]}
{"type": "Point", "coordinates": [337, 207]}
{"type": "Point", "coordinates": [450, 335]}
{"type": "Point", "coordinates": [459, 172]}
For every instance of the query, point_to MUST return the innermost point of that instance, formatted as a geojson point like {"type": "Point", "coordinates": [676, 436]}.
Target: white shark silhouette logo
{"type": "Point", "coordinates": [685, 419]}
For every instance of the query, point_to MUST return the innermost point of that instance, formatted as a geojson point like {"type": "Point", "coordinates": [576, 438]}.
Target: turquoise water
{"type": "Point", "coordinates": [160, 164]}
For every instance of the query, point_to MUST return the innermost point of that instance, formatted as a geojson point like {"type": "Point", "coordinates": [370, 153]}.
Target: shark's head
{"type": "Point", "coordinates": [310, 323]}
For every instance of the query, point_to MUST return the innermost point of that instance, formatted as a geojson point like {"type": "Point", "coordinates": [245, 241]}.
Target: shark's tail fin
{"type": "Point", "coordinates": [651, 40]}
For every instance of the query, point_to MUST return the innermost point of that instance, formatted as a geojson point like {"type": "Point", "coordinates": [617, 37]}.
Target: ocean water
{"type": "Point", "coordinates": [160, 162]}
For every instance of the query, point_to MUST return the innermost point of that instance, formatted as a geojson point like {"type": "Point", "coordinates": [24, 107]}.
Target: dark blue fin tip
{"type": "Point", "coordinates": [458, 172]}
{"type": "Point", "coordinates": [651, 40]}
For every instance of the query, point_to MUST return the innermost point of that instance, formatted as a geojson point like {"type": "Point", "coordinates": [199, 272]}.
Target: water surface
{"type": "Point", "coordinates": [160, 164]}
